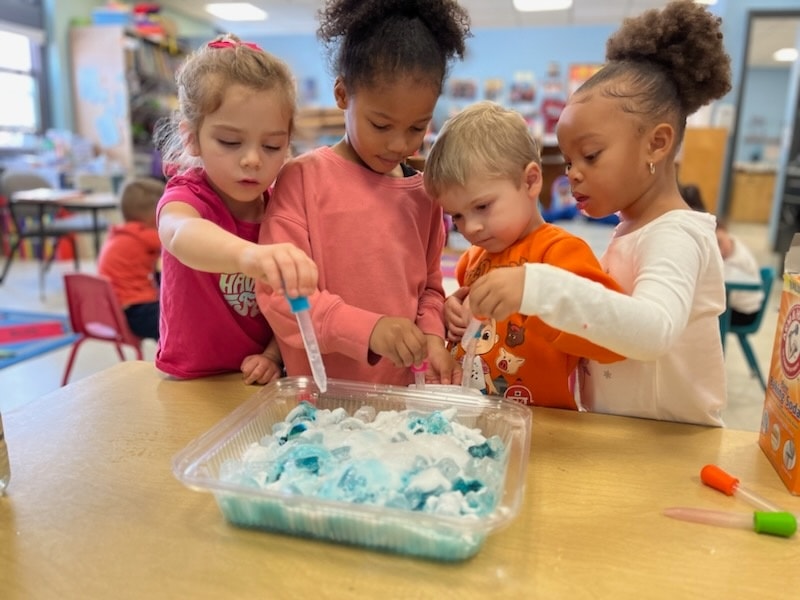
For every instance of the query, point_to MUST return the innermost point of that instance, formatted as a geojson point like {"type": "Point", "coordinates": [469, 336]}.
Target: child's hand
{"type": "Point", "coordinates": [456, 315]}
{"type": "Point", "coordinates": [498, 294]}
{"type": "Point", "coordinates": [260, 369]}
{"type": "Point", "coordinates": [283, 267]}
{"type": "Point", "coordinates": [442, 367]}
{"type": "Point", "coordinates": [399, 340]}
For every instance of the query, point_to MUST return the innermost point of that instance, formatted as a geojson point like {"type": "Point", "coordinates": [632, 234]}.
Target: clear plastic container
{"type": "Point", "coordinates": [5, 466]}
{"type": "Point", "coordinates": [447, 538]}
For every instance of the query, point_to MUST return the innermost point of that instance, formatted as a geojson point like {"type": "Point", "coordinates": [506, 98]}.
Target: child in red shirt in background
{"type": "Point", "coordinates": [130, 255]}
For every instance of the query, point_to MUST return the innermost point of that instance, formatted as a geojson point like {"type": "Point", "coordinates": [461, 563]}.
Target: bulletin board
{"type": "Point", "coordinates": [579, 73]}
{"type": "Point", "coordinates": [100, 91]}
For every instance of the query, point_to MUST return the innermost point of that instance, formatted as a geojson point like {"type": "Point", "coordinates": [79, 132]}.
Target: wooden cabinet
{"type": "Point", "coordinates": [122, 83]}
{"type": "Point", "coordinates": [751, 196]}
{"type": "Point", "coordinates": [553, 166]}
{"type": "Point", "coordinates": [701, 161]}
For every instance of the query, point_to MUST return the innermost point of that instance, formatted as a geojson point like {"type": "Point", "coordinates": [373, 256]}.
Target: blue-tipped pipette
{"type": "Point", "coordinates": [300, 307]}
{"type": "Point", "coordinates": [471, 335]}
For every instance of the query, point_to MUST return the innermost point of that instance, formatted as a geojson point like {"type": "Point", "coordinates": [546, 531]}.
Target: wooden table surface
{"type": "Point", "coordinates": [94, 511]}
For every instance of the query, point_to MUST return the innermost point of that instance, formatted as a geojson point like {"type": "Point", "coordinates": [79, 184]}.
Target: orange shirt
{"type": "Point", "coordinates": [522, 358]}
{"type": "Point", "coordinates": [128, 258]}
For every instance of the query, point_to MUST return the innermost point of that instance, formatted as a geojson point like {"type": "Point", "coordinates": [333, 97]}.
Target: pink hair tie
{"type": "Point", "coordinates": [232, 44]}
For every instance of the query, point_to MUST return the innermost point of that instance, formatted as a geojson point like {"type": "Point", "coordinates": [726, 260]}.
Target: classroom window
{"type": "Point", "coordinates": [20, 76]}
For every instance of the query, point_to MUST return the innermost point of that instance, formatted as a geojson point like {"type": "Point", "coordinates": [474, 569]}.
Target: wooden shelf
{"type": "Point", "coordinates": [552, 167]}
{"type": "Point", "coordinates": [314, 122]}
{"type": "Point", "coordinates": [701, 162]}
{"type": "Point", "coordinates": [751, 196]}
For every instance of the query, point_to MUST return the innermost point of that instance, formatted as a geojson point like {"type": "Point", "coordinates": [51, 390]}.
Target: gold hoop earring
{"type": "Point", "coordinates": [652, 168]}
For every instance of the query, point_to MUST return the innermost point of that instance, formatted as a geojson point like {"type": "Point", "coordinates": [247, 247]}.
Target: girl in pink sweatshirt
{"type": "Point", "coordinates": [361, 213]}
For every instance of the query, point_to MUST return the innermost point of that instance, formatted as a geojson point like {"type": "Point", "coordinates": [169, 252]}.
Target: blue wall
{"type": "Point", "coordinates": [491, 53]}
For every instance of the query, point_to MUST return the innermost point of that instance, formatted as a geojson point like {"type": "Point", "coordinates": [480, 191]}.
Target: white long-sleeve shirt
{"type": "Point", "coordinates": [743, 265]}
{"type": "Point", "coordinates": [667, 325]}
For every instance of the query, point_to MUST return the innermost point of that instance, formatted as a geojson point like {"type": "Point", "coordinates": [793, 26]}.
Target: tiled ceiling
{"type": "Point", "coordinates": [299, 16]}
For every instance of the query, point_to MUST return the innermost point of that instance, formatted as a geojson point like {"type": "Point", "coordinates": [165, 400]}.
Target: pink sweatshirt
{"type": "Point", "coordinates": [377, 241]}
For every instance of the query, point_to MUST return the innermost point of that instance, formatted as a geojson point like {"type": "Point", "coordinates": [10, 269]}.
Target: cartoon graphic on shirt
{"type": "Point", "coordinates": [519, 393]}
{"type": "Point", "coordinates": [239, 291]}
{"type": "Point", "coordinates": [515, 335]}
{"type": "Point", "coordinates": [507, 362]}
{"type": "Point", "coordinates": [480, 375]}
{"type": "Point", "coordinates": [497, 364]}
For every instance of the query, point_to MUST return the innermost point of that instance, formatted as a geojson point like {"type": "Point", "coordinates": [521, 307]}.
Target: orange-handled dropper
{"type": "Point", "coordinates": [714, 477]}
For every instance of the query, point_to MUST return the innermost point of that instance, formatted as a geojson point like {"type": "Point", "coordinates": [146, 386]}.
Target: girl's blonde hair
{"type": "Point", "coordinates": [202, 81]}
{"type": "Point", "coordinates": [484, 139]}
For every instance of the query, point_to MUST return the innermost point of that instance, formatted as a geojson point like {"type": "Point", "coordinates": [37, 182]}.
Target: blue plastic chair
{"type": "Point", "coordinates": [742, 331]}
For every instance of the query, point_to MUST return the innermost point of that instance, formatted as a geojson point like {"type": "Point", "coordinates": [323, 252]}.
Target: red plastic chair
{"type": "Point", "coordinates": [95, 314]}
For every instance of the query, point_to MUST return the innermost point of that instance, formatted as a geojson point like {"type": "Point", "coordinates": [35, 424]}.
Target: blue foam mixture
{"type": "Point", "coordinates": [407, 459]}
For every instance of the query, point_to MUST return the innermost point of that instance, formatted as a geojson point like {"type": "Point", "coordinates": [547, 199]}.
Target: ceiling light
{"type": "Point", "coordinates": [706, 2]}
{"type": "Point", "coordinates": [541, 5]}
{"type": "Point", "coordinates": [236, 11]}
{"type": "Point", "coordinates": [785, 55]}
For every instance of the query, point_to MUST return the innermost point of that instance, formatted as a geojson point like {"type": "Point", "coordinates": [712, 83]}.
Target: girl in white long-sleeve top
{"type": "Point", "coordinates": [619, 134]}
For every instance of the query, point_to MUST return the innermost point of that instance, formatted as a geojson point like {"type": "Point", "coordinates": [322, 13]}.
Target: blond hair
{"type": "Point", "coordinates": [484, 139]}
{"type": "Point", "coordinates": [138, 198]}
{"type": "Point", "coordinates": [202, 81]}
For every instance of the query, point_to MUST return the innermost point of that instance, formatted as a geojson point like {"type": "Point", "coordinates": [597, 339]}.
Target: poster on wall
{"type": "Point", "coordinates": [578, 73]}
{"type": "Point", "coordinates": [553, 98]}
{"type": "Point", "coordinates": [463, 89]}
{"type": "Point", "coordinates": [493, 89]}
{"type": "Point", "coordinates": [523, 88]}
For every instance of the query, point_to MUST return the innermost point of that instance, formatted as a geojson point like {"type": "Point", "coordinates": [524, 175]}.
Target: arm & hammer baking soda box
{"type": "Point", "coordinates": [780, 421]}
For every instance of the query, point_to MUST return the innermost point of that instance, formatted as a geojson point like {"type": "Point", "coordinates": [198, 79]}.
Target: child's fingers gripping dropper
{"type": "Point", "coordinates": [419, 374]}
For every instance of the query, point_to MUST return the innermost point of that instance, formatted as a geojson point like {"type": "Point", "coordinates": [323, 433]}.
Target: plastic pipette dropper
{"type": "Point", "coordinates": [300, 307]}
{"type": "Point", "coordinates": [419, 374]}
{"type": "Point", "coordinates": [471, 335]}
{"type": "Point", "coordinates": [782, 524]}
{"type": "Point", "coordinates": [714, 477]}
